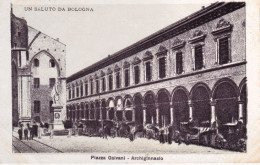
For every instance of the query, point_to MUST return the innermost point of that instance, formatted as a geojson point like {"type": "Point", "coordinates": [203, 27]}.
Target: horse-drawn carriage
{"type": "Point", "coordinates": [91, 128]}
{"type": "Point", "coordinates": [232, 136]}
{"type": "Point", "coordinates": [151, 132]}
{"type": "Point", "coordinates": [192, 132]}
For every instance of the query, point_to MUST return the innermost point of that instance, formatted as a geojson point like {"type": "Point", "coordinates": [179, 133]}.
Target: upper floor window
{"type": "Point", "coordinates": [36, 82]}
{"type": "Point", "coordinates": [110, 82]}
{"type": "Point", "coordinates": [52, 63]}
{"type": "Point", "coordinates": [162, 67]}
{"type": "Point", "coordinates": [223, 50]}
{"type": "Point", "coordinates": [73, 93]}
{"type": "Point", "coordinates": [222, 35]}
{"type": "Point", "coordinates": [137, 74]}
{"type": "Point", "coordinates": [69, 93]}
{"type": "Point", "coordinates": [91, 87]}
{"type": "Point", "coordinates": [36, 62]}
{"type": "Point", "coordinates": [148, 71]}
{"type": "Point", "coordinates": [118, 82]}
{"type": "Point", "coordinates": [51, 82]}
{"type": "Point", "coordinates": [81, 90]}
{"type": "Point", "coordinates": [97, 86]}
{"type": "Point", "coordinates": [198, 57]}
{"type": "Point", "coordinates": [103, 84]}
{"type": "Point", "coordinates": [86, 89]}
{"type": "Point", "coordinates": [179, 64]}
{"type": "Point", "coordinates": [127, 78]}
{"type": "Point", "coordinates": [77, 91]}
{"type": "Point", "coordinates": [37, 106]}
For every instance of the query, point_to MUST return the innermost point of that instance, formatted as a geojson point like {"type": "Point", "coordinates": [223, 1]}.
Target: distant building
{"type": "Point", "coordinates": [38, 61]}
{"type": "Point", "coordinates": [194, 69]}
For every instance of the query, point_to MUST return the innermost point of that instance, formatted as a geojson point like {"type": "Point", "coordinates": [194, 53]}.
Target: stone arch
{"type": "Point", "coordinates": [225, 92]}
{"type": "Point", "coordinates": [243, 99]}
{"type": "Point", "coordinates": [78, 111]}
{"type": "Point", "coordinates": [163, 100]}
{"type": "Point", "coordinates": [119, 108]}
{"type": "Point", "coordinates": [109, 100]}
{"type": "Point", "coordinates": [152, 93]}
{"type": "Point", "coordinates": [138, 108]}
{"type": "Point", "coordinates": [92, 110]}
{"type": "Point", "coordinates": [138, 95]}
{"type": "Point", "coordinates": [87, 110]}
{"type": "Point", "coordinates": [82, 110]}
{"type": "Point", "coordinates": [48, 54]}
{"type": "Point", "coordinates": [73, 116]}
{"type": "Point", "coordinates": [103, 109]}
{"type": "Point", "coordinates": [150, 104]}
{"type": "Point", "coordinates": [241, 84]}
{"type": "Point", "coordinates": [97, 109]}
{"type": "Point", "coordinates": [180, 97]}
{"type": "Point", "coordinates": [128, 101]}
{"type": "Point", "coordinates": [111, 108]}
{"type": "Point", "coordinates": [200, 84]}
{"type": "Point", "coordinates": [224, 80]}
{"type": "Point", "coordinates": [128, 107]}
{"type": "Point", "coordinates": [200, 96]}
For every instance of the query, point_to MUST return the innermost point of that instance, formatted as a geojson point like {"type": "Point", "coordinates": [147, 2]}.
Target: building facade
{"type": "Point", "coordinates": [38, 62]}
{"type": "Point", "coordinates": [192, 70]}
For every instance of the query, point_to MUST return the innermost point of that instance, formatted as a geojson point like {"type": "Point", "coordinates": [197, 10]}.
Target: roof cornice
{"type": "Point", "coordinates": [192, 21]}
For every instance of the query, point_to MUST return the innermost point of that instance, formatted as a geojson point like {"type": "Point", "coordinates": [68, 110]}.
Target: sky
{"type": "Point", "coordinates": [92, 35]}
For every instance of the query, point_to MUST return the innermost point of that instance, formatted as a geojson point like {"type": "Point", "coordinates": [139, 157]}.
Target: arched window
{"type": "Point", "coordinates": [36, 62]}
{"type": "Point", "coordinates": [52, 63]}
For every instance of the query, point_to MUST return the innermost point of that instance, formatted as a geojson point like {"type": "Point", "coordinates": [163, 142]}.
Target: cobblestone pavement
{"type": "Point", "coordinates": [110, 145]}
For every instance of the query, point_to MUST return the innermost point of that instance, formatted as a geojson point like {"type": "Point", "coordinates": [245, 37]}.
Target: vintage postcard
{"type": "Point", "coordinates": [130, 82]}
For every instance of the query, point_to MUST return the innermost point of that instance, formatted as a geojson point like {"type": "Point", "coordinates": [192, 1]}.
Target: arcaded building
{"type": "Point", "coordinates": [38, 62]}
{"type": "Point", "coordinates": [194, 69]}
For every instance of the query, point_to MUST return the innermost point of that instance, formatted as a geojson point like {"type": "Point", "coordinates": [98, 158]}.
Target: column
{"type": "Point", "coordinates": [80, 109]}
{"type": "Point", "coordinates": [115, 117]}
{"type": "Point", "coordinates": [75, 114]}
{"type": "Point", "coordinates": [240, 110]}
{"type": "Point", "coordinates": [133, 113]}
{"type": "Point", "coordinates": [157, 113]}
{"type": "Point", "coordinates": [171, 113]}
{"type": "Point", "coordinates": [84, 112]}
{"type": "Point", "coordinates": [190, 110]}
{"type": "Point", "coordinates": [123, 117]}
{"type": "Point", "coordinates": [213, 111]}
{"type": "Point", "coordinates": [107, 113]}
{"type": "Point", "coordinates": [95, 114]}
{"type": "Point", "coordinates": [144, 114]}
{"type": "Point", "coordinates": [100, 110]}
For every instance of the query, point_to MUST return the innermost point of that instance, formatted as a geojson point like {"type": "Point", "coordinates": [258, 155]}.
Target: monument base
{"type": "Point", "coordinates": [57, 122]}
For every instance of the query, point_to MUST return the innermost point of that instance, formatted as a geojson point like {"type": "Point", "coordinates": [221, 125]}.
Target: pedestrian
{"type": "Point", "coordinates": [20, 133]}
{"type": "Point", "coordinates": [25, 134]}
{"type": "Point", "coordinates": [31, 132]}
{"type": "Point", "coordinates": [161, 137]}
{"type": "Point", "coordinates": [165, 134]}
{"type": "Point", "coordinates": [170, 135]}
